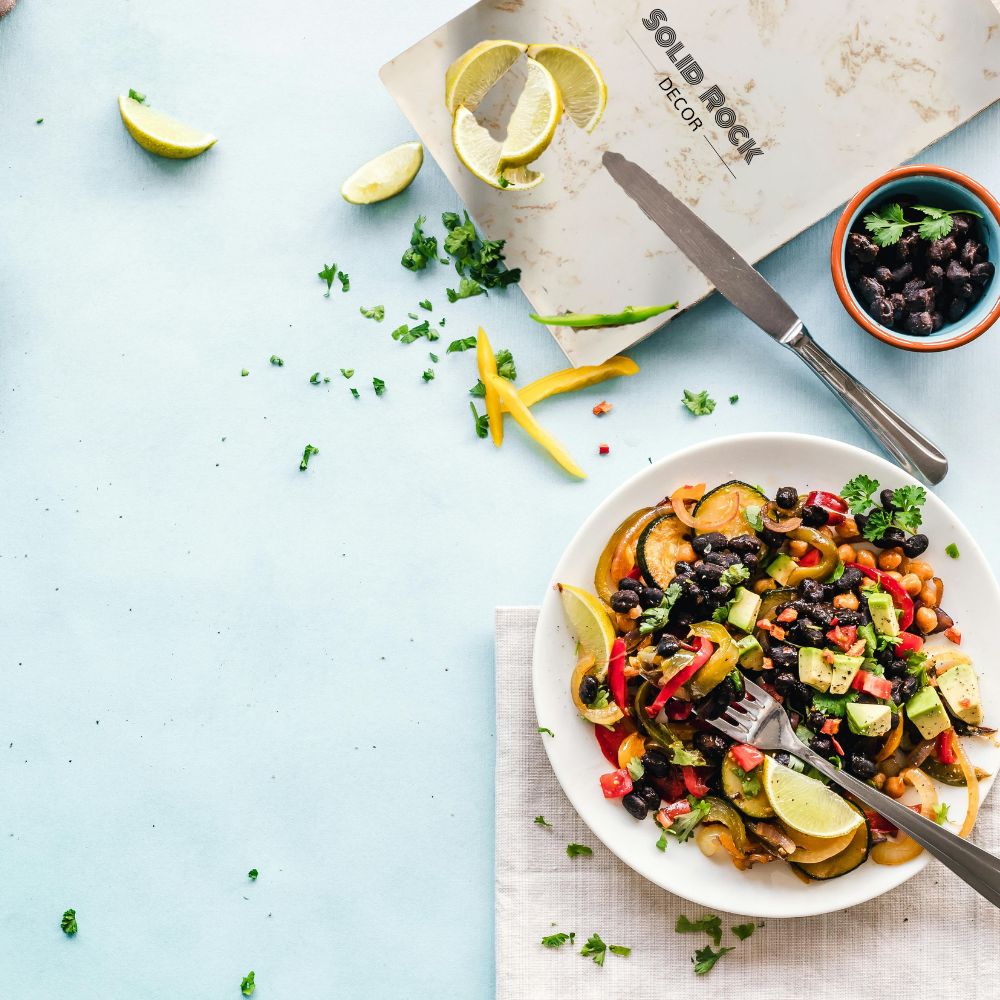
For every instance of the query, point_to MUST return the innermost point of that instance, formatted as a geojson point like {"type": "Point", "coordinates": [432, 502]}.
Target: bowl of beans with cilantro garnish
{"type": "Point", "coordinates": [914, 258]}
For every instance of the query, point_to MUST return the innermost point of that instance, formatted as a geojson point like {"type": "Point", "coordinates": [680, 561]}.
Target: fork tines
{"type": "Point", "coordinates": [739, 719]}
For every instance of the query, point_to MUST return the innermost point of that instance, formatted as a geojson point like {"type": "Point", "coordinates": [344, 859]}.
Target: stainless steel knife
{"type": "Point", "coordinates": [757, 300]}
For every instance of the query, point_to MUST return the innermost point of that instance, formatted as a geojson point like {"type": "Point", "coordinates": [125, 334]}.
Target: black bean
{"type": "Point", "coordinates": [627, 583]}
{"type": "Point", "coordinates": [975, 294]}
{"type": "Point", "coordinates": [955, 273]}
{"type": "Point", "coordinates": [846, 618]}
{"type": "Point", "coordinates": [623, 601]}
{"type": "Point", "coordinates": [709, 572]}
{"type": "Point", "coordinates": [656, 763]}
{"type": "Point", "coordinates": [919, 324]}
{"type": "Point", "coordinates": [935, 277]}
{"type": "Point", "coordinates": [744, 544]}
{"type": "Point", "coordinates": [683, 569]}
{"type": "Point", "coordinates": [822, 744]}
{"type": "Point", "coordinates": [775, 539]}
{"type": "Point", "coordinates": [650, 597]}
{"type": "Point", "coordinates": [882, 309]}
{"type": "Point", "coordinates": [861, 766]}
{"type": "Point", "coordinates": [893, 536]}
{"type": "Point", "coordinates": [885, 499]}
{"type": "Point", "coordinates": [823, 615]}
{"type": "Point", "coordinates": [898, 304]}
{"type": "Point", "coordinates": [668, 646]}
{"type": "Point", "coordinates": [790, 687]}
{"type": "Point", "coordinates": [853, 268]}
{"type": "Point", "coordinates": [907, 247]}
{"type": "Point", "coordinates": [714, 539]}
{"type": "Point", "coordinates": [915, 545]}
{"type": "Point", "coordinates": [721, 592]}
{"type": "Point", "coordinates": [635, 805]}
{"type": "Point", "coordinates": [883, 275]}
{"type": "Point", "coordinates": [937, 321]}
{"type": "Point", "coordinates": [712, 746]}
{"type": "Point", "coordinates": [783, 757]}
{"type": "Point", "coordinates": [691, 590]}
{"type": "Point", "coordinates": [969, 254]}
{"type": "Point", "coordinates": [588, 688]}
{"type": "Point", "coordinates": [921, 300]}
{"type": "Point", "coordinates": [858, 245]}
{"type": "Point", "coordinates": [894, 693]}
{"type": "Point", "coordinates": [788, 496]}
{"type": "Point", "coordinates": [909, 687]}
{"type": "Point", "coordinates": [814, 516]}
{"type": "Point", "coordinates": [965, 290]}
{"type": "Point", "coordinates": [811, 592]}
{"type": "Point", "coordinates": [784, 657]}
{"type": "Point", "coordinates": [957, 309]}
{"type": "Point", "coordinates": [701, 544]}
{"type": "Point", "coordinates": [648, 792]}
{"type": "Point", "coordinates": [959, 226]}
{"type": "Point", "coordinates": [815, 720]}
{"type": "Point", "coordinates": [942, 250]}
{"type": "Point", "coordinates": [719, 558]}
{"type": "Point", "coordinates": [683, 617]}
{"type": "Point", "coordinates": [915, 284]}
{"type": "Point", "coordinates": [750, 560]}
{"type": "Point", "coordinates": [982, 272]}
{"type": "Point", "coordinates": [804, 633]}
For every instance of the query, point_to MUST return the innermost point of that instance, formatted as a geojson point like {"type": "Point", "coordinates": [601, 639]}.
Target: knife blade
{"type": "Point", "coordinates": [746, 289]}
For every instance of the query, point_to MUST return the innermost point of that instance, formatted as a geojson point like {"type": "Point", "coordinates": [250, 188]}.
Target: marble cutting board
{"type": "Point", "coordinates": [762, 115]}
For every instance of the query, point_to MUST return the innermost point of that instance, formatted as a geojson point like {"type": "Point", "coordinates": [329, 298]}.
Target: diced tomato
{"type": "Point", "coordinates": [953, 635]}
{"type": "Point", "coordinates": [858, 649]}
{"type": "Point", "coordinates": [831, 727]}
{"type": "Point", "coordinates": [693, 782]}
{"type": "Point", "coordinates": [908, 643]}
{"type": "Point", "coordinates": [772, 691]}
{"type": "Point", "coordinates": [859, 680]}
{"type": "Point", "coordinates": [880, 687]}
{"type": "Point", "coordinates": [811, 558]}
{"type": "Point", "coordinates": [788, 615]}
{"type": "Point", "coordinates": [603, 448]}
{"type": "Point", "coordinates": [746, 756]}
{"type": "Point", "coordinates": [672, 786]}
{"type": "Point", "coordinates": [611, 740]}
{"type": "Point", "coordinates": [616, 784]}
{"type": "Point", "coordinates": [672, 810]}
{"type": "Point", "coordinates": [842, 636]}
{"type": "Point", "coordinates": [678, 710]}
{"type": "Point", "coordinates": [945, 748]}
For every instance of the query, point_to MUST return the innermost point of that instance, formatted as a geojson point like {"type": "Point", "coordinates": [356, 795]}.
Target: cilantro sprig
{"type": "Point", "coordinates": [683, 826]}
{"type": "Point", "coordinates": [482, 421]}
{"type": "Point", "coordinates": [574, 850]}
{"type": "Point", "coordinates": [654, 619]}
{"type": "Point", "coordinates": [596, 949]}
{"type": "Point", "coordinates": [907, 501]}
{"type": "Point", "coordinates": [705, 959]}
{"type": "Point", "coordinates": [478, 260]}
{"type": "Point", "coordinates": [557, 940]}
{"type": "Point", "coordinates": [422, 248]}
{"type": "Point", "coordinates": [711, 925]}
{"type": "Point", "coordinates": [888, 223]}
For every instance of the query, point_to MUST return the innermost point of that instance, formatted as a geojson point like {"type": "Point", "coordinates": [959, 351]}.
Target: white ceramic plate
{"type": "Point", "coordinates": [971, 596]}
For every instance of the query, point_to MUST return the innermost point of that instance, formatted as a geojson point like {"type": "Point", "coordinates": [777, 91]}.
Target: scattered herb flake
{"type": "Point", "coordinates": [941, 813]}
{"type": "Point", "coordinates": [478, 390]}
{"type": "Point", "coordinates": [378, 385]}
{"type": "Point", "coordinates": [542, 729]}
{"type": "Point", "coordinates": [355, 393]}
{"type": "Point", "coordinates": [749, 782]}
{"type": "Point", "coordinates": [711, 925]}
{"type": "Point", "coordinates": [833, 704]}
{"type": "Point", "coordinates": [376, 313]}
{"type": "Point", "coordinates": [413, 315]}
{"type": "Point", "coordinates": [661, 844]}
{"type": "Point", "coordinates": [461, 345]}
{"type": "Point", "coordinates": [505, 365]}
{"type": "Point", "coordinates": [328, 273]}
{"type": "Point", "coordinates": [620, 949]}
{"type": "Point", "coordinates": [433, 357]}
{"type": "Point", "coordinates": [683, 826]}
{"type": "Point", "coordinates": [244, 373]}
{"type": "Point", "coordinates": [595, 948]}
{"type": "Point", "coordinates": [345, 281]}
{"type": "Point", "coordinates": [252, 874]}
{"type": "Point", "coordinates": [705, 958]}
{"type": "Point", "coordinates": [540, 820]}
{"type": "Point", "coordinates": [421, 249]}
{"type": "Point", "coordinates": [247, 986]}
{"type": "Point", "coordinates": [467, 287]}
{"type": "Point", "coordinates": [700, 403]}
{"type": "Point", "coordinates": [426, 304]}
{"type": "Point", "coordinates": [743, 931]}
{"type": "Point", "coordinates": [480, 258]}
{"type": "Point", "coordinates": [136, 96]}
{"type": "Point", "coordinates": [574, 849]}
{"type": "Point", "coordinates": [635, 768]}
{"type": "Point", "coordinates": [754, 517]}
{"type": "Point", "coordinates": [952, 550]}
{"type": "Point", "coordinates": [441, 323]}
{"type": "Point", "coordinates": [655, 619]}
{"type": "Point", "coordinates": [275, 360]}
{"type": "Point", "coordinates": [68, 923]}
{"type": "Point", "coordinates": [347, 372]}
{"type": "Point", "coordinates": [556, 940]}
{"type": "Point", "coordinates": [39, 121]}
{"type": "Point", "coordinates": [428, 374]}
{"type": "Point", "coordinates": [734, 399]}
{"type": "Point", "coordinates": [482, 422]}
{"type": "Point", "coordinates": [314, 378]}
{"type": "Point", "coordinates": [309, 450]}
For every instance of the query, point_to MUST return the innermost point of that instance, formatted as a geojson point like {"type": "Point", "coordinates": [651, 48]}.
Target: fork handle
{"type": "Point", "coordinates": [973, 865]}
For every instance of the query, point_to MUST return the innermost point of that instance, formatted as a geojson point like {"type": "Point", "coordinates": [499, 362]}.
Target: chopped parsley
{"type": "Point", "coordinates": [482, 421]}
{"type": "Point", "coordinates": [600, 699]}
{"type": "Point", "coordinates": [735, 574]}
{"type": "Point", "coordinates": [837, 573]}
{"type": "Point", "coordinates": [478, 390]}
{"type": "Point", "coordinates": [661, 844]}
{"type": "Point", "coordinates": [309, 450]}
{"type": "Point", "coordinates": [858, 493]}
{"type": "Point", "coordinates": [347, 372]}
{"type": "Point", "coordinates": [376, 313]}
{"type": "Point", "coordinates": [465, 344]}
{"type": "Point", "coordinates": [428, 374]}
{"type": "Point", "coordinates": [345, 281]}
{"type": "Point", "coordinates": [434, 357]}
{"type": "Point", "coordinates": [426, 304]}
{"type": "Point", "coordinates": [542, 729]}
{"type": "Point", "coordinates": [620, 949]}
{"type": "Point", "coordinates": [916, 664]}
{"type": "Point", "coordinates": [574, 849]}
{"type": "Point", "coordinates": [711, 925]}
{"type": "Point", "coordinates": [888, 223]}
{"type": "Point", "coordinates": [328, 273]}
{"type": "Point", "coordinates": [314, 378]}
{"type": "Point", "coordinates": [421, 249]}
{"type": "Point", "coordinates": [683, 757]}
{"type": "Point", "coordinates": [540, 820]}
{"type": "Point", "coordinates": [134, 94]}
{"type": "Point", "coordinates": [700, 404]}
{"type": "Point", "coordinates": [480, 258]}
{"type": "Point", "coordinates": [833, 704]}
{"type": "Point", "coordinates": [252, 874]}
{"type": "Point", "coordinates": [683, 826]}
{"type": "Point", "coordinates": [655, 619]}
{"type": "Point", "coordinates": [867, 632]}
{"type": "Point", "coordinates": [244, 373]}
{"type": "Point", "coordinates": [467, 287]}
{"type": "Point", "coordinates": [754, 517]}
{"type": "Point", "coordinates": [441, 322]}
{"type": "Point", "coordinates": [505, 365]}
{"type": "Point", "coordinates": [941, 813]}
{"type": "Point", "coordinates": [408, 334]}
{"type": "Point", "coordinates": [908, 499]}
{"type": "Point", "coordinates": [635, 768]}
{"type": "Point", "coordinates": [556, 940]}
{"type": "Point", "coordinates": [68, 923]}
{"type": "Point", "coordinates": [275, 360]}
{"type": "Point", "coordinates": [595, 948]}
{"type": "Point", "coordinates": [39, 121]}
{"type": "Point", "coordinates": [734, 399]}
{"type": "Point", "coordinates": [952, 550]}
{"type": "Point", "coordinates": [705, 959]}
{"type": "Point", "coordinates": [247, 986]}
{"type": "Point", "coordinates": [412, 315]}
{"type": "Point", "coordinates": [355, 393]}
{"type": "Point", "coordinates": [378, 385]}
{"type": "Point", "coordinates": [743, 931]}
{"type": "Point", "coordinates": [748, 781]}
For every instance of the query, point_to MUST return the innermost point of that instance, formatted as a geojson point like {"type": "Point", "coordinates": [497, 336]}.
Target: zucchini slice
{"type": "Point", "coordinates": [658, 547]}
{"type": "Point", "coordinates": [769, 600]}
{"type": "Point", "coordinates": [753, 805]}
{"type": "Point", "coordinates": [716, 501]}
{"type": "Point", "coordinates": [855, 854]}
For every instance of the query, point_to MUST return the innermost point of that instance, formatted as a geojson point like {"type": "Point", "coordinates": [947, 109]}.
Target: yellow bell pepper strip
{"type": "Point", "coordinates": [487, 362]}
{"type": "Point", "coordinates": [571, 379]}
{"type": "Point", "coordinates": [827, 561]}
{"type": "Point", "coordinates": [626, 316]}
{"type": "Point", "coordinates": [722, 662]}
{"type": "Point", "coordinates": [523, 416]}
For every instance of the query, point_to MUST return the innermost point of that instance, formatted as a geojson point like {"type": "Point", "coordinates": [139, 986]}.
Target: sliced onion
{"type": "Point", "coordinates": [898, 852]}
{"type": "Point", "coordinates": [677, 502]}
{"type": "Point", "coordinates": [925, 789]}
{"type": "Point", "coordinates": [972, 783]}
{"type": "Point", "coordinates": [769, 522]}
{"type": "Point", "coordinates": [688, 492]}
{"type": "Point", "coordinates": [707, 837]}
{"type": "Point", "coordinates": [920, 753]}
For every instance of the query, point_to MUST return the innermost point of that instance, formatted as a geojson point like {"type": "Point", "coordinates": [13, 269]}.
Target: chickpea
{"type": "Point", "coordinates": [847, 602]}
{"type": "Point", "coordinates": [879, 780]}
{"type": "Point", "coordinates": [894, 787]}
{"type": "Point", "coordinates": [798, 548]}
{"type": "Point", "coordinates": [896, 576]}
{"type": "Point", "coordinates": [926, 620]}
{"type": "Point", "coordinates": [912, 584]}
{"type": "Point", "coordinates": [686, 554]}
{"type": "Point", "coordinates": [827, 531]}
{"type": "Point", "coordinates": [921, 569]}
{"type": "Point", "coordinates": [848, 528]}
{"type": "Point", "coordinates": [929, 594]}
{"type": "Point", "coordinates": [889, 559]}
{"type": "Point", "coordinates": [847, 553]}
{"type": "Point", "coordinates": [865, 558]}
{"type": "Point", "coordinates": [761, 586]}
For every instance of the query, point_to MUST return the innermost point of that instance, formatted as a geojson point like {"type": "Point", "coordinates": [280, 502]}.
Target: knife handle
{"type": "Point", "coordinates": [915, 453]}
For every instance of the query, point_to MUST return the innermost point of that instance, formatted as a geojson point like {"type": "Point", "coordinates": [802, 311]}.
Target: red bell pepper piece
{"type": "Point", "coordinates": [634, 573]}
{"type": "Point", "coordinates": [880, 824]}
{"type": "Point", "coordinates": [880, 687]}
{"type": "Point", "coordinates": [746, 756]}
{"type": "Point", "coordinates": [859, 680]}
{"type": "Point", "coordinates": [616, 675]}
{"type": "Point", "coordinates": [811, 558]}
{"type": "Point", "coordinates": [671, 811]}
{"type": "Point", "coordinates": [909, 643]}
{"type": "Point", "coordinates": [678, 710]}
{"type": "Point", "coordinates": [616, 784]}
{"type": "Point", "coordinates": [672, 786]}
{"type": "Point", "coordinates": [836, 745]}
{"type": "Point", "coordinates": [831, 727]}
{"type": "Point", "coordinates": [610, 740]}
{"type": "Point", "coordinates": [899, 596]}
{"type": "Point", "coordinates": [945, 749]}
{"type": "Point", "coordinates": [842, 636]}
{"type": "Point", "coordinates": [693, 782]}
{"type": "Point", "coordinates": [705, 650]}
{"type": "Point", "coordinates": [835, 506]}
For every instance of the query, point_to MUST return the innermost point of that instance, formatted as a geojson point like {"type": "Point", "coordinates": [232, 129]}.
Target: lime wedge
{"type": "Point", "coordinates": [480, 152]}
{"type": "Point", "coordinates": [580, 83]}
{"type": "Point", "coordinates": [807, 805]}
{"type": "Point", "coordinates": [161, 134]}
{"type": "Point", "coordinates": [472, 74]}
{"type": "Point", "coordinates": [590, 623]}
{"type": "Point", "coordinates": [533, 120]}
{"type": "Point", "coordinates": [384, 176]}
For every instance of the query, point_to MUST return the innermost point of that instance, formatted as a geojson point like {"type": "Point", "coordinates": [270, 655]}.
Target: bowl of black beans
{"type": "Point", "coordinates": [914, 257]}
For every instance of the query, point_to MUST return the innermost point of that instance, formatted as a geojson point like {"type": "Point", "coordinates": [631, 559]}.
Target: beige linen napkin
{"type": "Point", "coordinates": [931, 937]}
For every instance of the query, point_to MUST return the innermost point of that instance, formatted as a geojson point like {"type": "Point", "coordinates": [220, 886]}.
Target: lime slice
{"type": "Point", "coordinates": [161, 134]}
{"type": "Point", "coordinates": [480, 152]}
{"type": "Point", "coordinates": [591, 625]}
{"type": "Point", "coordinates": [807, 805]}
{"type": "Point", "coordinates": [580, 83]}
{"type": "Point", "coordinates": [471, 75]}
{"type": "Point", "coordinates": [533, 120]}
{"type": "Point", "coordinates": [384, 176]}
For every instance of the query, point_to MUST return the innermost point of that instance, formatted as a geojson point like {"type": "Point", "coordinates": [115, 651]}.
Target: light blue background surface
{"type": "Point", "coordinates": [210, 661]}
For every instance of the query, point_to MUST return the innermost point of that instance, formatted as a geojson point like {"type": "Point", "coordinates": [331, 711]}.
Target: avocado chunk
{"type": "Point", "coordinates": [781, 568]}
{"type": "Point", "coordinates": [869, 720]}
{"type": "Point", "coordinates": [844, 670]}
{"type": "Point", "coordinates": [927, 713]}
{"type": "Point", "coordinates": [743, 610]}
{"type": "Point", "coordinates": [883, 614]}
{"type": "Point", "coordinates": [814, 670]}
{"type": "Point", "coordinates": [751, 654]}
{"type": "Point", "coordinates": [960, 689]}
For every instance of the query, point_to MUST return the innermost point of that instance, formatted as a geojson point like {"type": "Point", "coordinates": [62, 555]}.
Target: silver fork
{"type": "Point", "coordinates": [760, 721]}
